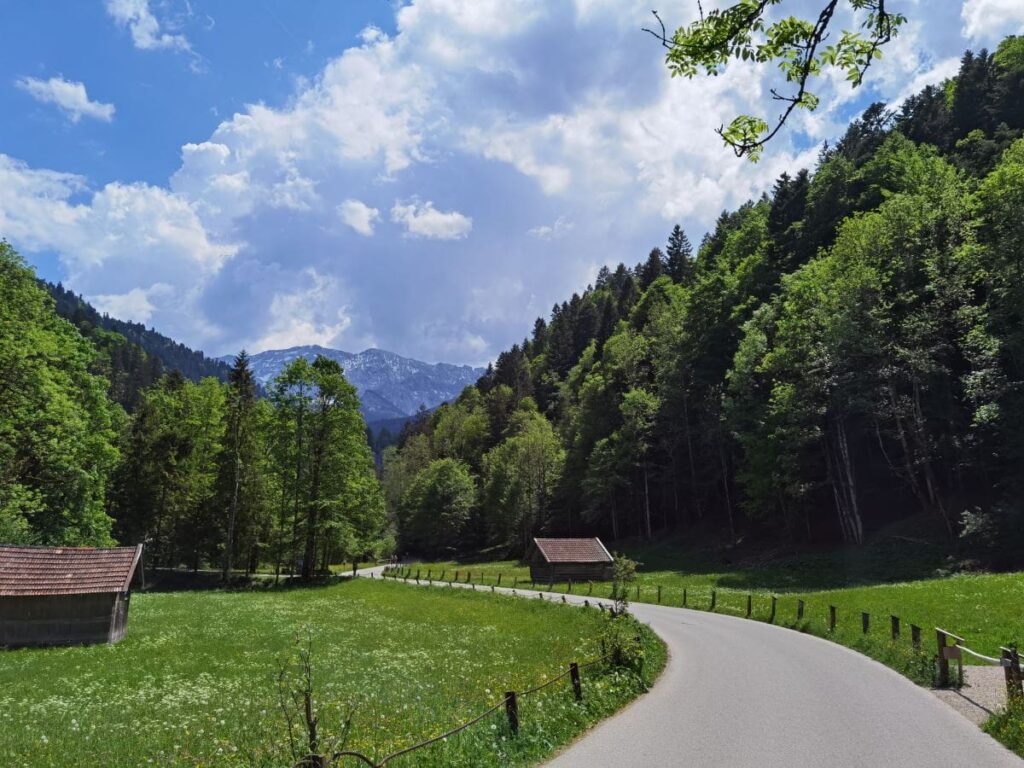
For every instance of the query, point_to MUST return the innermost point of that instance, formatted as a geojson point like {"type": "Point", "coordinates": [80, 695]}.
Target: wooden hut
{"type": "Point", "coordinates": [65, 595]}
{"type": "Point", "coordinates": [569, 559]}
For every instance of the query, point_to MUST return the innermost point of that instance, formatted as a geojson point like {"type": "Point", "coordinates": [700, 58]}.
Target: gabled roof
{"type": "Point", "coordinates": [28, 571]}
{"type": "Point", "coordinates": [573, 550]}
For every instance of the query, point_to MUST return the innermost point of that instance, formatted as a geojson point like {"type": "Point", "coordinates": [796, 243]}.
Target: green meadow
{"type": "Point", "coordinates": [195, 682]}
{"type": "Point", "coordinates": [888, 577]}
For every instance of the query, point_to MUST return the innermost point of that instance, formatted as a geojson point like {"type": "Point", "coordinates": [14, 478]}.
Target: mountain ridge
{"type": "Point", "coordinates": [390, 386]}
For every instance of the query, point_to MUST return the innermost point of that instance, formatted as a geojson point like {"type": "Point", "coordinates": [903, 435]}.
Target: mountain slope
{"type": "Point", "coordinates": [173, 355]}
{"type": "Point", "coordinates": [390, 386]}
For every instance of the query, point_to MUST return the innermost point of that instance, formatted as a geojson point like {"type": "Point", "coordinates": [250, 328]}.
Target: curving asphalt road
{"type": "Point", "coordinates": [745, 694]}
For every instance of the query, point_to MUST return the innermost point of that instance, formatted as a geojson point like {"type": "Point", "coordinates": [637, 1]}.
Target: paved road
{"type": "Point", "coordinates": [739, 694]}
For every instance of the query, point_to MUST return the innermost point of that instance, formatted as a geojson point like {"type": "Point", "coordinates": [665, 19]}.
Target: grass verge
{"type": "Point", "coordinates": [194, 683]}
{"type": "Point", "coordinates": [892, 577]}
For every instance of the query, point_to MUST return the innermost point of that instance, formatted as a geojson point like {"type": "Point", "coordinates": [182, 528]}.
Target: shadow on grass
{"type": "Point", "coordinates": [177, 580]}
{"type": "Point", "coordinates": [884, 561]}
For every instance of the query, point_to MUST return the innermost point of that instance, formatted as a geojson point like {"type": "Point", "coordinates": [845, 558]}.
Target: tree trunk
{"type": "Point", "coordinates": [725, 488]}
{"type": "Point", "coordinates": [229, 545]}
{"type": "Point", "coordinates": [647, 506]}
{"type": "Point", "coordinates": [694, 498]}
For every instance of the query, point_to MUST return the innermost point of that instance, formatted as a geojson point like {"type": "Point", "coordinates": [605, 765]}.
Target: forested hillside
{"type": "Point", "coordinates": [140, 356]}
{"type": "Point", "coordinates": [205, 473]}
{"type": "Point", "coordinates": [845, 351]}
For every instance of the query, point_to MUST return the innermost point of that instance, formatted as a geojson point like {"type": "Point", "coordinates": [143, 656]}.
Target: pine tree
{"type": "Point", "coordinates": [679, 265]}
{"type": "Point", "coordinates": [651, 269]}
{"type": "Point", "coordinates": [240, 452]}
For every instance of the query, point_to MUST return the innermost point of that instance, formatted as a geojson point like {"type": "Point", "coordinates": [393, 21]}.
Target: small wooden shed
{"type": "Point", "coordinates": [65, 595]}
{"type": "Point", "coordinates": [569, 559]}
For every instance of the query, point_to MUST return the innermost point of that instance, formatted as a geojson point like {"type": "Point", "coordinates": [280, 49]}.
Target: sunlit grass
{"type": "Point", "coordinates": [984, 609]}
{"type": "Point", "coordinates": [194, 683]}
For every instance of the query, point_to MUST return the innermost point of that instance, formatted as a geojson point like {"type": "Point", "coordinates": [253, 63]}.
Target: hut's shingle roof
{"type": "Point", "coordinates": [66, 570]}
{"type": "Point", "coordinates": [573, 550]}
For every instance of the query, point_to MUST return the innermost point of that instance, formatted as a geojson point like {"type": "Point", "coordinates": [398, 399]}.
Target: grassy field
{"type": "Point", "coordinates": [194, 683]}
{"type": "Point", "coordinates": [887, 577]}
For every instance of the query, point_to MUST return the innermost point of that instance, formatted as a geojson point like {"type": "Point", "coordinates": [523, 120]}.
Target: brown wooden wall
{"type": "Point", "coordinates": [63, 619]}
{"type": "Point", "coordinates": [541, 571]}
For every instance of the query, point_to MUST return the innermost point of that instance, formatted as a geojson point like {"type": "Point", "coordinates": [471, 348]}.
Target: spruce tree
{"type": "Point", "coordinates": [651, 269]}
{"type": "Point", "coordinates": [679, 264]}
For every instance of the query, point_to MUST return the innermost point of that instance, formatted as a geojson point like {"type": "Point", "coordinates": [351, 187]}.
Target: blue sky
{"type": "Point", "coordinates": [425, 177]}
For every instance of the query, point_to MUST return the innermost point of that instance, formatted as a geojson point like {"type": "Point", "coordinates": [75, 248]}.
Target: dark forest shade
{"type": "Point", "coordinates": [65, 595]}
{"type": "Point", "coordinates": [569, 559]}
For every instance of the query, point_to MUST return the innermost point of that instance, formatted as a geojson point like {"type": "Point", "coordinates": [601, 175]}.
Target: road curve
{"type": "Point", "coordinates": [745, 694]}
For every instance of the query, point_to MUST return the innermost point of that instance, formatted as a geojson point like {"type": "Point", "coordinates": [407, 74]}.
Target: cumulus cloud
{"type": "Point", "coordinates": [304, 316]}
{"type": "Point", "coordinates": [135, 305]}
{"type": "Point", "coordinates": [424, 220]}
{"type": "Point", "coordinates": [987, 19]}
{"type": "Point", "coordinates": [145, 29]}
{"type": "Point", "coordinates": [560, 227]}
{"type": "Point", "coordinates": [359, 216]}
{"type": "Point", "coordinates": [69, 95]}
{"type": "Point", "coordinates": [121, 237]}
{"type": "Point", "coordinates": [500, 109]}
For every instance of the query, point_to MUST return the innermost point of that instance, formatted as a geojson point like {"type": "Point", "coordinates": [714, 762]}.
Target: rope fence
{"type": "Point", "coordinates": [510, 702]}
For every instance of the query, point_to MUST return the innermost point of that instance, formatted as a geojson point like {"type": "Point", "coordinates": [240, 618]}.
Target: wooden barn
{"type": "Point", "coordinates": [65, 595]}
{"type": "Point", "coordinates": [569, 559]}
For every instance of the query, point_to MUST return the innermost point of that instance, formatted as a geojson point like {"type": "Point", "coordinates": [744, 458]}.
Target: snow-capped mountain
{"type": "Point", "coordinates": [390, 386]}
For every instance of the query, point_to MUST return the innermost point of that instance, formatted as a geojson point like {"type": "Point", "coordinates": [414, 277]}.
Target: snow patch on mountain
{"type": "Point", "coordinates": [390, 386]}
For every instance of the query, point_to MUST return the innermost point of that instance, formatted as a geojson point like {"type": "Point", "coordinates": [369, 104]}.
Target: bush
{"type": "Point", "coordinates": [995, 537]}
{"type": "Point", "coordinates": [1008, 727]}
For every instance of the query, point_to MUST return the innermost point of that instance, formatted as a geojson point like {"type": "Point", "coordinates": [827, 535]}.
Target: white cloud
{"type": "Point", "coordinates": [135, 305]}
{"type": "Point", "coordinates": [144, 27]}
{"type": "Point", "coordinates": [124, 236]}
{"type": "Point", "coordinates": [424, 220]}
{"type": "Point", "coordinates": [359, 216]}
{"type": "Point", "coordinates": [561, 226]}
{"type": "Point", "coordinates": [504, 108]}
{"type": "Point", "coordinates": [306, 315]}
{"type": "Point", "coordinates": [991, 19]}
{"type": "Point", "coordinates": [69, 95]}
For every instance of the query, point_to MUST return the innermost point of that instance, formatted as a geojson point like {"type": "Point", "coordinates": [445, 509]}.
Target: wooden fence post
{"type": "Point", "coordinates": [569, 586]}
{"type": "Point", "coordinates": [771, 618]}
{"type": "Point", "coordinates": [940, 639]}
{"type": "Point", "coordinates": [714, 599]}
{"type": "Point", "coordinates": [659, 594]}
{"type": "Point", "coordinates": [1011, 667]}
{"type": "Point", "coordinates": [865, 621]}
{"type": "Point", "coordinates": [417, 575]}
{"type": "Point", "coordinates": [590, 587]}
{"type": "Point", "coordinates": [355, 568]}
{"type": "Point", "coordinates": [512, 710]}
{"type": "Point", "coordinates": [895, 627]}
{"type": "Point", "coordinates": [638, 593]}
{"type": "Point", "coordinates": [684, 597]}
{"type": "Point", "coordinates": [915, 637]}
{"type": "Point", "coordinates": [499, 579]}
{"type": "Point", "coordinates": [442, 575]}
{"type": "Point", "coordinates": [750, 605]}
{"type": "Point", "coordinates": [577, 688]}
{"type": "Point", "coordinates": [430, 573]}
{"type": "Point", "coordinates": [799, 610]}
{"type": "Point", "coordinates": [831, 618]}
{"type": "Point", "coordinates": [456, 576]}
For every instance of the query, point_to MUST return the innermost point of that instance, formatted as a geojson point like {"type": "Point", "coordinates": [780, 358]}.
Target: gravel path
{"type": "Point", "coordinates": [983, 693]}
{"type": "Point", "coordinates": [745, 694]}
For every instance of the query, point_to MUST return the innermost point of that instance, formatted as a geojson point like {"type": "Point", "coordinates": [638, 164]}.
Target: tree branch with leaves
{"type": "Point", "coordinates": [800, 47]}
